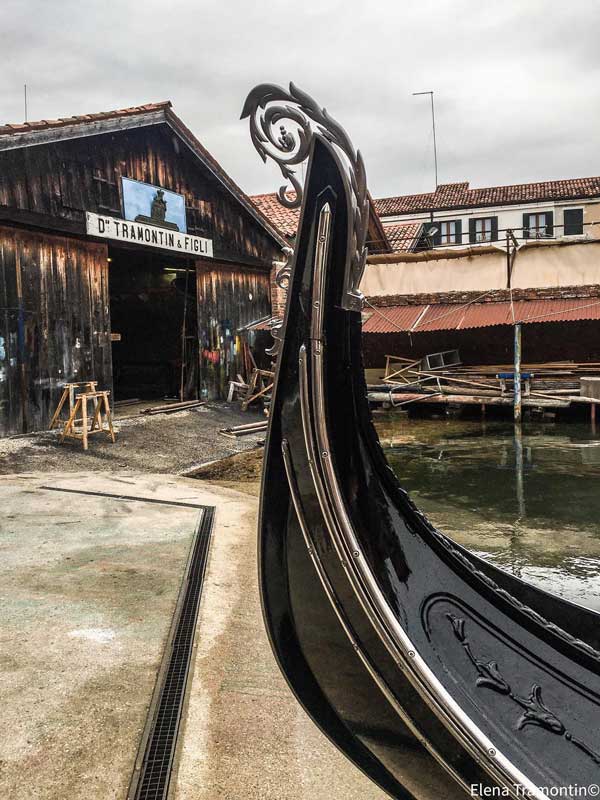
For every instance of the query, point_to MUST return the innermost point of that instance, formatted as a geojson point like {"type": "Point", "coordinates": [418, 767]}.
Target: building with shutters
{"type": "Point", "coordinates": [444, 282]}
{"type": "Point", "coordinates": [455, 215]}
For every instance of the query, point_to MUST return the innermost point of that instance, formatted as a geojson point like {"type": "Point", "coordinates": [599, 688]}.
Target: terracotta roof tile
{"type": "Point", "coordinates": [459, 195]}
{"type": "Point", "coordinates": [403, 237]}
{"type": "Point", "coordinates": [286, 219]}
{"type": "Point", "coordinates": [82, 119]}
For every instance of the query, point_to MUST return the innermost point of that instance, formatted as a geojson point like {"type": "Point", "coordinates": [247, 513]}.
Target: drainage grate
{"type": "Point", "coordinates": [152, 780]}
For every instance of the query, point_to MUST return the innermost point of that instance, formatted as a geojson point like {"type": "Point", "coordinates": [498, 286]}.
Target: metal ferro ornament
{"type": "Point", "coordinates": [282, 279]}
{"type": "Point", "coordinates": [431, 669]}
{"type": "Point", "coordinates": [269, 105]}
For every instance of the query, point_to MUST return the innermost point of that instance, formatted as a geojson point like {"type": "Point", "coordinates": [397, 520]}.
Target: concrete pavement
{"type": "Point", "coordinates": [88, 586]}
{"type": "Point", "coordinates": [245, 736]}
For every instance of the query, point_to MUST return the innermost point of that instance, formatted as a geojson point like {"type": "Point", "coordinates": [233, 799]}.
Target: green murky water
{"type": "Point", "coordinates": [528, 503]}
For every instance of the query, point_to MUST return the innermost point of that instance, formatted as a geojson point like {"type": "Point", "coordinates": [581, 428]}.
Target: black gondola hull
{"type": "Point", "coordinates": [433, 672]}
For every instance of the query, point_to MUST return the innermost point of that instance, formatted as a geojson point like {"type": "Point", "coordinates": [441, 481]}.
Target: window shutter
{"type": "Point", "coordinates": [494, 229]}
{"type": "Point", "coordinates": [526, 226]}
{"type": "Point", "coordinates": [573, 222]}
{"type": "Point", "coordinates": [458, 235]}
{"type": "Point", "coordinates": [472, 231]}
{"type": "Point", "coordinates": [549, 223]}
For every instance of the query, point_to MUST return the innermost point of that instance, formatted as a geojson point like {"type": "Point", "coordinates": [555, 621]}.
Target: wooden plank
{"type": "Point", "coordinates": [384, 397]}
{"type": "Point", "coordinates": [60, 309]}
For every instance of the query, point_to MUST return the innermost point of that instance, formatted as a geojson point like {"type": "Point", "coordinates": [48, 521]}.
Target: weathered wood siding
{"type": "Point", "coordinates": [54, 323]}
{"type": "Point", "coordinates": [56, 183]}
{"type": "Point", "coordinates": [228, 298]}
{"type": "Point", "coordinates": [54, 294]}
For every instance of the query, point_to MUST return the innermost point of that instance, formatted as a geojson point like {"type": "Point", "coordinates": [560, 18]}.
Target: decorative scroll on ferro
{"type": "Point", "coordinates": [283, 272]}
{"type": "Point", "coordinates": [269, 106]}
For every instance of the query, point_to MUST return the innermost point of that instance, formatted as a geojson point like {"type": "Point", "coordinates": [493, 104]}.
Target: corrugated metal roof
{"type": "Point", "coordinates": [559, 310]}
{"type": "Point", "coordinates": [392, 318]}
{"type": "Point", "coordinates": [440, 317]}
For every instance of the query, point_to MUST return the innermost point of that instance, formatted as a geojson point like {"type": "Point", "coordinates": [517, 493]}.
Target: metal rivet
{"type": "Point", "coordinates": [356, 554]}
{"type": "Point", "coordinates": [316, 304]}
{"type": "Point", "coordinates": [324, 453]}
{"type": "Point", "coordinates": [492, 752]}
{"type": "Point", "coordinates": [411, 653]}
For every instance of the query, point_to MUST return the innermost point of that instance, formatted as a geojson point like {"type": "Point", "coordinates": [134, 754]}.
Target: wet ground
{"type": "Point", "coordinates": [529, 503]}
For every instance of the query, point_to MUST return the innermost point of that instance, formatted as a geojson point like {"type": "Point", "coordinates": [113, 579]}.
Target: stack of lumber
{"type": "Point", "coordinates": [244, 430]}
{"type": "Point", "coordinates": [172, 408]}
{"type": "Point", "coordinates": [556, 383]}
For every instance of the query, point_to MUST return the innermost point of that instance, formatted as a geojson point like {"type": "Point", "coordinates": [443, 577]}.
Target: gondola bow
{"type": "Point", "coordinates": [435, 672]}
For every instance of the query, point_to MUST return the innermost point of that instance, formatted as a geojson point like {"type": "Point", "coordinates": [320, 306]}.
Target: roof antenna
{"type": "Point", "coordinates": [433, 125]}
{"type": "Point", "coordinates": [25, 98]}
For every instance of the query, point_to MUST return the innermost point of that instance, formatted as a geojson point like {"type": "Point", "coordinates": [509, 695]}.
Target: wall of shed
{"type": "Point", "coordinates": [54, 184]}
{"type": "Point", "coordinates": [54, 323]}
{"type": "Point", "coordinates": [228, 298]}
{"type": "Point", "coordinates": [537, 265]}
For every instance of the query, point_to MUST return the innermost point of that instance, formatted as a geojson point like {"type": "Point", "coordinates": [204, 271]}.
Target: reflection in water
{"type": "Point", "coordinates": [528, 500]}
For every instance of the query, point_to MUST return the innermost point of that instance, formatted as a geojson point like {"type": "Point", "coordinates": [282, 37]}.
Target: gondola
{"type": "Point", "coordinates": [435, 672]}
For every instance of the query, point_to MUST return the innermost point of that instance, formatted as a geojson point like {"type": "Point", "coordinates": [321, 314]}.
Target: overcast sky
{"type": "Point", "coordinates": [517, 82]}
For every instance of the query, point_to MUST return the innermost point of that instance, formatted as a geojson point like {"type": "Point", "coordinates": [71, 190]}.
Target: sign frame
{"type": "Point", "coordinates": [137, 198]}
{"type": "Point", "coordinates": [140, 233]}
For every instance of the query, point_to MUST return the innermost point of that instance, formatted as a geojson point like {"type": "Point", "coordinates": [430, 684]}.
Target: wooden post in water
{"type": "Point", "coordinates": [517, 373]}
{"type": "Point", "coordinates": [518, 439]}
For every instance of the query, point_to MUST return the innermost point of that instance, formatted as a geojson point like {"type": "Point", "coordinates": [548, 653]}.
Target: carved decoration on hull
{"type": "Point", "coordinates": [535, 712]}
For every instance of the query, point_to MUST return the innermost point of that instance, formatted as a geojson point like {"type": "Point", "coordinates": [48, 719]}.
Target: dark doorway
{"type": "Point", "coordinates": [154, 325]}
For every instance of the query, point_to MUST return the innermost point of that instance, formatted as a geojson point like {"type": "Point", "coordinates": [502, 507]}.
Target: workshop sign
{"type": "Point", "coordinates": [142, 233]}
{"type": "Point", "coordinates": [143, 202]}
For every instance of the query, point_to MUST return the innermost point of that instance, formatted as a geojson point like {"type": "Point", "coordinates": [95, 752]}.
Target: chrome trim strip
{"type": "Point", "coordinates": [330, 593]}
{"type": "Point", "coordinates": [361, 578]}
{"type": "Point", "coordinates": [321, 253]}
{"type": "Point", "coordinates": [309, 443]}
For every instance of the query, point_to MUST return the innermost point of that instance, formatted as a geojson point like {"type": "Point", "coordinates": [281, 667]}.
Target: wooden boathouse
{"type": "Point", "coordinates": [128, 256]}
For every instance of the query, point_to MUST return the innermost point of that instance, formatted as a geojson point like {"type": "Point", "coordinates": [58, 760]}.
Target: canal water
{"type": "Point", "coordinates": [528, 503]}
